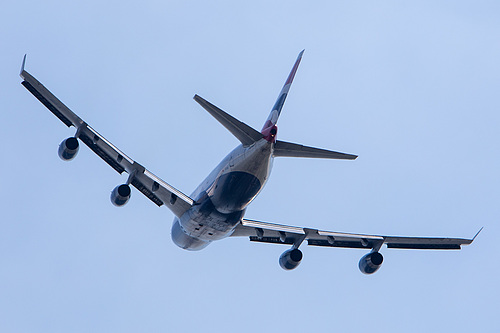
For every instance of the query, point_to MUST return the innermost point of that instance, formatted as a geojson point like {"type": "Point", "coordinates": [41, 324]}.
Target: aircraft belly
{"type": "Point", "coordinates": [234, 190]}
{"type": "Point", "coordinates": [206, 223]}
{"type": "Point", "coordinates": [184, 241]}
{"type": "Point", "coordinates": [243, 178]}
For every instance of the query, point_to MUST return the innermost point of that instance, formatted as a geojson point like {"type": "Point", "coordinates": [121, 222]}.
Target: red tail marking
{"type": "Point", "coordinates": [269, 131]}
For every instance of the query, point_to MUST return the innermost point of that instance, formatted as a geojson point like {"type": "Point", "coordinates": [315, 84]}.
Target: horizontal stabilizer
{"type": "Point", "coordinates": [288, 149]}
{"type": "Point", "coordinates": [246, 134]}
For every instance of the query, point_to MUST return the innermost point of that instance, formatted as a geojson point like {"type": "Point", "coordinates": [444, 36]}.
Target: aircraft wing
{"type": "Point", "coordinates": [282, 234]}
{"type": "Point", "coordinates": [146, 182]}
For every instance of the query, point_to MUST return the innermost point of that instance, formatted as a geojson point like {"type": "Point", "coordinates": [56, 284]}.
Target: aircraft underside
{"type": "Point", "coordinates": [220, 206]}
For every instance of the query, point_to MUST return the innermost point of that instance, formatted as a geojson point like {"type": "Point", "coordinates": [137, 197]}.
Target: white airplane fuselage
{"type": "Point", "coordinates": [221, 199]}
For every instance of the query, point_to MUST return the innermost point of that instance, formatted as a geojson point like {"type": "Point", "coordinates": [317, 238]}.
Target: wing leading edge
{"type": "Point", "coordinates": [282, 234]}
{"type": "Point", "coordinates": [146, 182]}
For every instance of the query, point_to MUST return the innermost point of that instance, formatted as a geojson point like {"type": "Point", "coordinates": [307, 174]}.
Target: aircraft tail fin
{"type": "Point", "coordinates": [270, 124]}
{"type": "Point", "coordinates": [288, 149]}
{"type": "Point", "coordinates": [244, 133]}
{"type": "Point", "coordinates": [248, 135]}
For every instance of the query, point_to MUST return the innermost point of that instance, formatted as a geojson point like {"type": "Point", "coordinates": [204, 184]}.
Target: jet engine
{"type": "Point", "coordinates": [68, 149]}
{"type": "Point", "coordinates": [290, 259]}
{"type": "Point", "coordinates": [120, 195]}
{"type": "Point", "coordinates": [370, 263]}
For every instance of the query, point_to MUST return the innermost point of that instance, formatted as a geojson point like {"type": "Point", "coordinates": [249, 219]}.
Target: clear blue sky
{"type": "Point", "coordinates": [412, 87]}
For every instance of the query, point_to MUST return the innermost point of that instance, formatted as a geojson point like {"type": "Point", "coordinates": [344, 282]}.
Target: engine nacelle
{"type": "Point", "coordinates": [290, 259]}
{"type": "Point", "coordinates": [370, 263]}
{"type": "Point", "coordinates": [68, 149]}
{"type": "Point", "coordinates": [120, 195]}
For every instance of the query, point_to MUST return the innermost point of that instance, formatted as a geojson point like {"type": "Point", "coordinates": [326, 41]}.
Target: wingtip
{"type": "Point", "coordinates": [198, 98]}
{"type": "Point", "coordinates": [22, 66]}
{"type": "Point", "coordinates": [476, 234]}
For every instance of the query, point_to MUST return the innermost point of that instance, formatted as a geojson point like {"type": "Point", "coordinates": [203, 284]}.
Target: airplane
{"type": "Point", "coordinates": [216, 208]}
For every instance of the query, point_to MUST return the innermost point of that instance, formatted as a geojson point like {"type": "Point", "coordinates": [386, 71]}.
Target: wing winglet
{"type": "Point", "coordinates": [476, 234]}
{"type": "Point", "coordinates": [22, 67]}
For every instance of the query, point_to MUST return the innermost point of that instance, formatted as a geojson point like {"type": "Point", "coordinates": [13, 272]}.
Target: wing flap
{"type": "Point", "coordinates": [47, 103]}
{"type": "Point", "coordinates": [160, 192]}
{"type": "Point", "coordinates": [273, 240]}
{"type": "Point", "coordinates": [270, 227]}
{"type": "Point", "coordinates": [50, 101]}
{"type": "Point", "coordinates": [426, 243]}
{"type": "Point", "coordinates": [338, 243]}
{"type": "Point", "coordinates": [424, 246]}
{"type": "Point", "coordinates": [104, 149]}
